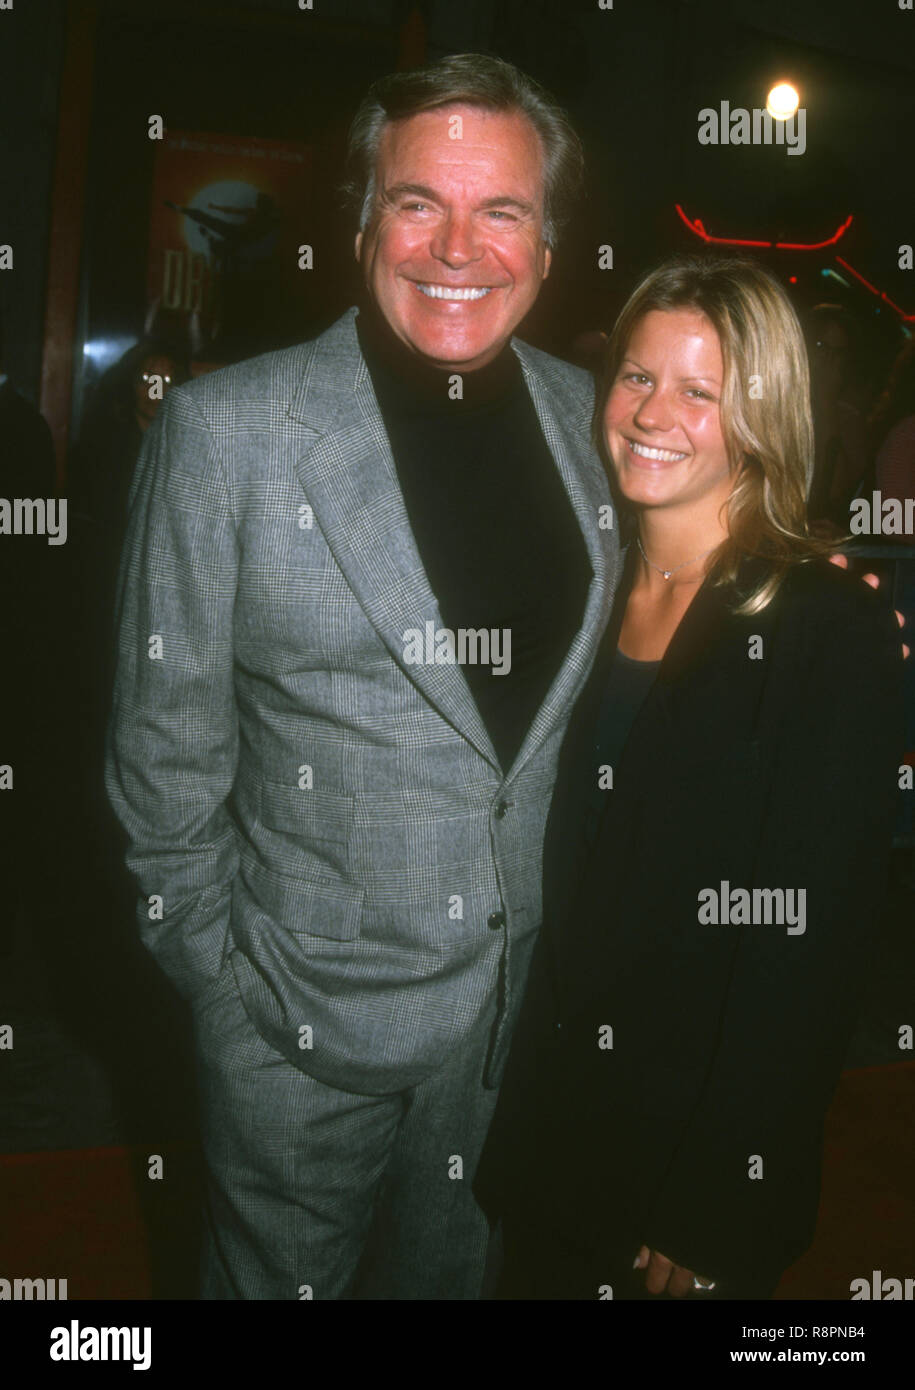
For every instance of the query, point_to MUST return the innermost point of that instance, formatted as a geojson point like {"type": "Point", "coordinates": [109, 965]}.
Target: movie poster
{"type": "Point", "coordinates": [228, 225]}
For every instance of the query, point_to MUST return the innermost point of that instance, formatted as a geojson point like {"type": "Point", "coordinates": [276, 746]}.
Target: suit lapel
{"type": "Point", "coordinates": [586, 485]}
{"type": "Point", "coordinates": [348, 473]}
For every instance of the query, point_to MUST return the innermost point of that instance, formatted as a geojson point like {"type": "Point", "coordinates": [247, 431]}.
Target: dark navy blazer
{"type": "Point", "coordinates": [699, 1130]}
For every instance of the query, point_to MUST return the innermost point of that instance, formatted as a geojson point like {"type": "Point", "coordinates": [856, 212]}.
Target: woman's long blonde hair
{"type": "Point", "coordinates": [765, 407]}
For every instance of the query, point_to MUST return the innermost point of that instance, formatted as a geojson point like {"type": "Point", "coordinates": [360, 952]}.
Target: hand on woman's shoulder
{"type": "Point", "coordinates": [838, 628]}
{"type": "Point", "coordinates": [820, 589]}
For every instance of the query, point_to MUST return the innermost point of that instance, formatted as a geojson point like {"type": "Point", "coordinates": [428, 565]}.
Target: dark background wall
{"type": "Point", "coordinates": [634, 79]}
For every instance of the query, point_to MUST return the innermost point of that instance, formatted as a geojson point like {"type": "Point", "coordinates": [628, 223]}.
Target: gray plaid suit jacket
{"type": "Point", "coordinates": [305, 810]}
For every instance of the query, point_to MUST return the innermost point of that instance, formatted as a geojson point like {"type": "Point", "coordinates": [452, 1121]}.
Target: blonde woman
{"type": "Point", "coordinates": [718, 838]}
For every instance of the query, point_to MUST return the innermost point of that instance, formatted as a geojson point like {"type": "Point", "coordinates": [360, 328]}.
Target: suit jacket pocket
{"type": "Point", "coordinates": [314, 828]}
{"type": "Point", "coordinates": [315, 814]}
{"type": "Point", "coordinates": [306, 906]}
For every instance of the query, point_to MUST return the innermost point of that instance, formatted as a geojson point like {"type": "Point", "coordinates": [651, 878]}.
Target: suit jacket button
{"type": "Point", "coordinates": [501, 808]}
{"type": "Point", "coordinates": [495, 920]}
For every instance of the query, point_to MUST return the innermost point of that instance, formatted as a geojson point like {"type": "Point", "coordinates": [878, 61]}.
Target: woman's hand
{"type": "Point", "coordinates": [871, 579]}
{"type": "Point", "coordinates": [662, 1274]}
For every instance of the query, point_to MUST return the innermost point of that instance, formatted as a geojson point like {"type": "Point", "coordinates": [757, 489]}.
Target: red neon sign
{"type": "Point", "coordinates": [698, 229]}
{"type": "Point", "coordinates": [695, 225]}
{"type": "Point", "coordinates": [907, 318]}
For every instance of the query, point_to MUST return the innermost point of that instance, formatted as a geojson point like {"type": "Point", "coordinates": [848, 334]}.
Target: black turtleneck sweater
{"type": "Point", "coordinates": [493, 523]}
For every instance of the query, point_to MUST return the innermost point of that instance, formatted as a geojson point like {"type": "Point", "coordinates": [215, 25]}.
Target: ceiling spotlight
{"type": "Point", "coordinates": [782, 101]}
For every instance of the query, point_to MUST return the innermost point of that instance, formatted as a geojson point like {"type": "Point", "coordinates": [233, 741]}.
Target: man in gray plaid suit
{"type": "Point", "coordinates": [334, 789]}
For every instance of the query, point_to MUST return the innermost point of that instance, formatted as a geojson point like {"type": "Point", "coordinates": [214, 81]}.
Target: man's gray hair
{"type": "Point", "coordinates": [466, 79]}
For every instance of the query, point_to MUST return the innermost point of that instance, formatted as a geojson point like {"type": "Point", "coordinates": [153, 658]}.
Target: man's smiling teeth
{"type": "Point", "coordinates": [445, 292]}
{"type": "Point", "coordinates": [659, 455]}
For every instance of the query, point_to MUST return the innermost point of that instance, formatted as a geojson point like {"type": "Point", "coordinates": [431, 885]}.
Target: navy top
{"type": "Point", "coordinates": [624, 694]}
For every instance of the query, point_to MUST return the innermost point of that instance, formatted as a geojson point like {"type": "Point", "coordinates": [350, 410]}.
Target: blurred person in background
{"type": "Point", "coordinates": [26, 451]}
{"type": "Point", "coordinates": [27, 567]}
{"type": "Point", "coordinates": [893, 425]}
{"type": "Point", "coordinates": [121, 410]}
{"type": "Point", "coordinates": [840, 432]}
